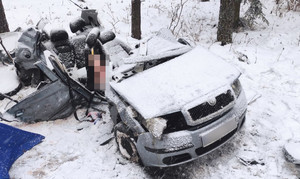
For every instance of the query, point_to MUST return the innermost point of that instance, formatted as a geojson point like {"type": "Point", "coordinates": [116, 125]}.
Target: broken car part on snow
{"type": "Point", "coordinates": [170, 103]}
{"type": "Point", "coordinates": [37, 61]}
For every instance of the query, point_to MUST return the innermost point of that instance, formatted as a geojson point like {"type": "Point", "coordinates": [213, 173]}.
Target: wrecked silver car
{"type": "Point", "coordinates": [170, 103]}
{"type": "Point", "coordinates": [187, 104]}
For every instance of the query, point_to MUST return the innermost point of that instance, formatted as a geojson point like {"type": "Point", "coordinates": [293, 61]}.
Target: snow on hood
{"type": "Point", "coordinates": [168, 87]}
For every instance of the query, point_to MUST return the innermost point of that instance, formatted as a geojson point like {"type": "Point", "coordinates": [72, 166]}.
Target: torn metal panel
{"type": "Point", "coordinates": [52, 101]}
{"type": "Point", "coordinates": [119, 108]}
{"type": "Point", "coordinates": [27, 53]}
{"type": "Point", "coordinates": [45, 104]}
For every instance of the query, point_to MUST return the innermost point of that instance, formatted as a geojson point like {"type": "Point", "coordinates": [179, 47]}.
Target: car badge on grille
{"type": "Point", "coordinates": [212, 101]}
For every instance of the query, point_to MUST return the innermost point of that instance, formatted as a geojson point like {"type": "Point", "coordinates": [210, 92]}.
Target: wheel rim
{"type": "Point", "coordinates": [126, 146]}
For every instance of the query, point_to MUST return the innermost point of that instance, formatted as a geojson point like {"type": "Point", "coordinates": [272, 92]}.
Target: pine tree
{"type": "Point", "coordinates": [254, 12]}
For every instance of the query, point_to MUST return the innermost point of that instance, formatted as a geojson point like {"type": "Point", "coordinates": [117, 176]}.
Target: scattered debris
{"type": "Point", "coordinates": [256, 97]}
{"type": "Point", "coordinates": [106, 139]}
{"type": "Point", "coordinates": [242, 57]}
{"type": "Point", "coordinates": [248, 162]}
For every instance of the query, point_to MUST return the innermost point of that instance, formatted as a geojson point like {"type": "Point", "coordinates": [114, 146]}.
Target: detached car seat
{"type": "Point", "coordinates": [27, 53]}
{"type": "Point", "coordinates": [63, 47]}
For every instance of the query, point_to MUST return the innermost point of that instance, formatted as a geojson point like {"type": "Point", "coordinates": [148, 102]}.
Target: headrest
{"type": "Point", "coordinates": [107, 36]}
{"type": "Point", "coordinates": [92, 37]}
{"type": "Point", "coordinates": [58, 35]}
{"type": "Point", "coordinates": [77, 24]}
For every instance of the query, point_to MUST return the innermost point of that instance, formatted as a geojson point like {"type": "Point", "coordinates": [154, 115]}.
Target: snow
{"type": "Point", "coordinates": [13, 40]}
{"type": "Point", "coordinates": [157, 48]}
{"type": "Point", "coordinates": [292, 149]}
{"type": "Point", "coordinates": [271, 80]}
{"type": "Point", "coordinates": [170, 86]}
{"type": "Point", "coordinates": [9, 79]}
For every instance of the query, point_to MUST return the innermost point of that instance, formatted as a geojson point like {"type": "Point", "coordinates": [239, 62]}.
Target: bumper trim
{"type": "Point", "coordinates": [164, 151]}
{"type": "Point", "coordinates": [202, 150]}
{"type": "Point", "coordinates": [177, 159]}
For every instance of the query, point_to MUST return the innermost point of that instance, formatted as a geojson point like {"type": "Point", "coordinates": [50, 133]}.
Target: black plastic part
{"type": "Point", "coordinates": [90, 16]}
{"type": "Point", "coordinates": [176, 122]}
{"type": "Point", "coordinates": [183, 41]}
{"type": "Point", "coordinates": [47, 71]}
{"type": "Point", "coordinates": [77, 25]}
{"type": "Point", "coordinates": [206, 109]}
{"type": "Point", "coordinates": [58, 35]}
{"type": "Point", "coordinates": [92, 37]}
{"type": "Point", "coordinates": [177, 159]}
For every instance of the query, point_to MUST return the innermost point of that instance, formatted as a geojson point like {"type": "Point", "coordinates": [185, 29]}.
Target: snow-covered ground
{"type": "Point", "coordinates": [271, 79]}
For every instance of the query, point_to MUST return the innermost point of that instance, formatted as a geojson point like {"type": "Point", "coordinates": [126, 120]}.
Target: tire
{"type": "Point", "coordinates": [126, 144]}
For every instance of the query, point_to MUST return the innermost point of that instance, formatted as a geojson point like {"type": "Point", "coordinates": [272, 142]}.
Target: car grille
{"type": "Point", "coordinates": [205, 109]}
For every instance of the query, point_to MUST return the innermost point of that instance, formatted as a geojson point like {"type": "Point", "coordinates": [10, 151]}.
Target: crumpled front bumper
{"type": "Point", "coordinates": [187, 145]}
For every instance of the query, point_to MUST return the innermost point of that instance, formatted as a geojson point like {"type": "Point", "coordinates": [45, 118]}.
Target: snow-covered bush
{"type": "Point", "coordinates": [286, 5]}
{"type": "Point", "coordinates": [187, 18]}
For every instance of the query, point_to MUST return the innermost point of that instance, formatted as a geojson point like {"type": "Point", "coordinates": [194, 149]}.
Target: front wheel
{"type": "Point", "coordinates": [126, 143]}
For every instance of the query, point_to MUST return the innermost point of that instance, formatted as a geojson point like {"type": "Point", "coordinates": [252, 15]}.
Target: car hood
{"type": "Point", "coordinates": [166, 88]}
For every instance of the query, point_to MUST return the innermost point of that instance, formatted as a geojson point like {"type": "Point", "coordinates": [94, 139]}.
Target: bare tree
{"type": "Point", "coordinates": [3, 21]}
{"type": "Point", "coordinates": [176, 15]}
{"type": "Point", "coordinates": [136, 19]}
{"type": "Point", "coordinates": [229, 18]}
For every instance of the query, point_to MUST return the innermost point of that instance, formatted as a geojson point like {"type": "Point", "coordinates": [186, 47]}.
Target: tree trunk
{"type": "Point", "coordinates": [228, 20]}
{"type": "Point", "coordinates": [136, 19]}
{"type": "Point", "coordinates": [3, 21]}
{"type": "Point", "coordinates": [236, 9]}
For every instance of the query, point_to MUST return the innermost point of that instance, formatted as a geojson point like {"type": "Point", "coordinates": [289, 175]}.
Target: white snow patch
{"type": "Point", "coordinates": [8, 78]}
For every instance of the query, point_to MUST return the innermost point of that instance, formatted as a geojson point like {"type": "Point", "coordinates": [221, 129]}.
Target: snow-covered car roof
{"type": "Point", "coordinates": [166, 88]}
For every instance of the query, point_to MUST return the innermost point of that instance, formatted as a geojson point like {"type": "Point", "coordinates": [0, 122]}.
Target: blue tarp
{"type": "Point", "coordinates": [14, 143]}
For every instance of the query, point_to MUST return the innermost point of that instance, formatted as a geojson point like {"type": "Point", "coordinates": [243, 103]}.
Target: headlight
{"type": "Point", "coordinates": [237, 88]}
{"type": "Point", "coordinates": [156, 126]}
